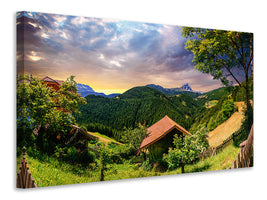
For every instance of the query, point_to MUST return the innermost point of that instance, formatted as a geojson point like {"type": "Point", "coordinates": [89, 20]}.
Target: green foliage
{"type": "Point", "coordinates": [239, 93]}
{"type": "Point", "coordinates": [104, 130]}
{"type": "Point", "coordinates": [218, 50]}
{"type": "Point", "coordinates": [212, 124]}
{"type": "Point", "coordinates": [214, 116]}
{"type": "Point", "coordinates": [49, 171]}
{"type": "Point", "coordinates": [40, 115]}
{"type": "Point", "coordinates": [139, 105]}
{"type": "Point", "coordinates": [216, 94]}
{"type": "Point", "coordinates": [228, 108]}
{"type": "Point", "coordinates": [222, 54]}
{"type": "Point", "coordinates": [186, 149]}
{"type": "Point", "coordinates": [146, 165]}
{"type": "Point", "coordinates": [134, 137]}
{"type": "Point", "coordinates": [105, 155]}
{"type": "Point", "coordinates": [73, 156]}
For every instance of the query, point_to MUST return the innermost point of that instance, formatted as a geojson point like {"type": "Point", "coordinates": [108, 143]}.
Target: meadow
{"type": "Point", "coordinates": [49, 171]}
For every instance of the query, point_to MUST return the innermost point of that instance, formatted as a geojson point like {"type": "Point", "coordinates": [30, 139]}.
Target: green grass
{"type": "Point", "coordinates": [104, 136]}
{"type": "Point", "coordinates": [50, 172]}
{"type": "Point", "coordinates": [128, 170]}
{"type": "Point", "coordinates": [221, 161]}
{"type": "Point", "coordinates": [211, 103]}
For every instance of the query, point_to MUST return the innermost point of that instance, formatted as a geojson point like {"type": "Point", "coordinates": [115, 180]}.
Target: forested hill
{"type": "Point", "coordinates": [143, 105]}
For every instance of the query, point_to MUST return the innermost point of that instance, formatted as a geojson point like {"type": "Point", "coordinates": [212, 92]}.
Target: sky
{"type": "Point", "coordinates": [109, 55]}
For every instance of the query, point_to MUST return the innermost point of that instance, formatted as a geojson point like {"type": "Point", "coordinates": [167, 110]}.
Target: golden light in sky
{"type": "Point", "coordinates": [111, 56]}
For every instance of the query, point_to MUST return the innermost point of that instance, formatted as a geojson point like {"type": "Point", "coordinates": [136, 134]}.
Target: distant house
{"type": "Point", "coordinates": [55, 84]}
{"type": "Point", "coordinates": [160, 137]}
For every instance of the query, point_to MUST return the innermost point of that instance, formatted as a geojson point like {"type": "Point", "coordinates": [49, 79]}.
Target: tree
{"type": "Point", "coordinates": [222, 54]}
{"type": "Point", "coordinates": [105, 159]}
{"type": "Point", "coordinates": [187, 149]}
{"type": "Point", "coordinates": [134, 137]}
{"type": "Point", "coordinates": [43, 113]}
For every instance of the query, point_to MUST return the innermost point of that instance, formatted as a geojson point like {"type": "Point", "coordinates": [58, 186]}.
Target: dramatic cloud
{"type": "Point", "coordinates": [108, 55]}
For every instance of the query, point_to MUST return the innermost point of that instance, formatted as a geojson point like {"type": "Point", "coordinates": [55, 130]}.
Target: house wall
{"type": "Point", "coordinates": [162, 146]}
{"type": "Point", "coordinates": [53, 85]}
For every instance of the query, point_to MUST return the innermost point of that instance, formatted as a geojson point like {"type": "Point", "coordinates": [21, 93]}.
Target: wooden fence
{"type": "Point", "coordinates": [245, 156]}
{"type": "Point", "coordinates": [24, 178]}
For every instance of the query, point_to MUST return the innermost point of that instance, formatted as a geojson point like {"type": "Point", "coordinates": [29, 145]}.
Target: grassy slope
{"type": "Point", "coordinates": [221, 161]}
{"type": "Point", "coordinates": [103, 138]}
{"type": "Point", "coordinates": [227, 128]}
{"type": "Point", "coordinates": [51, 172]}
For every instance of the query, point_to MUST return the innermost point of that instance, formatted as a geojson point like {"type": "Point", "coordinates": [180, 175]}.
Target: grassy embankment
{"type": "Point", "coordinates": [50, 172]}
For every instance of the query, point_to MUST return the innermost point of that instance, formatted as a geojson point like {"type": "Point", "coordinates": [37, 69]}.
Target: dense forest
{"type": "Point", "coordinates": [146, 105]}
{"type": "Point", "coordinates": [139, 105]}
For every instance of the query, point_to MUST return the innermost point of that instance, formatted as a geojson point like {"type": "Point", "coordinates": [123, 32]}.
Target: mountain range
{"type": "Point", "coordinates": [175, 91]}
{"type": "Point", "coordinates": [85, 90]}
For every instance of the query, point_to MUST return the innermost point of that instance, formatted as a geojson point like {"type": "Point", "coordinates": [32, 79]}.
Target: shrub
{"type": "Point", "coordinates": [186, 149]}
{"type": "Point", "coordinates": [146, 165]}
{"type": "Point", "coordinates": [228, 108]}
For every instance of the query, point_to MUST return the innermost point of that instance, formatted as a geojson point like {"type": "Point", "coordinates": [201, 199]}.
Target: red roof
{"type": "Point", "coordinates": [159, 130]}
{"type": "Point", "coordinates": [48, 79]}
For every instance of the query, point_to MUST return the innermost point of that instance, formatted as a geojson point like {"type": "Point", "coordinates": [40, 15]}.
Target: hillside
{"type": "Point", "coordinates": [227, 128]}
{"type": "Point", "coordinates": [138, 105]}
{"type": "Point", "coordinates": [216, 94]}
{"type": "Point", "coordinates": [103, 138]}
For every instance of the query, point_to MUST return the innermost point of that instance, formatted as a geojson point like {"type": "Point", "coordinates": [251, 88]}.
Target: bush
{"type": "Point", "coordinates": [73, 156]}
{"type": "Point", "coordinates": [146, 165]}
{"type": "Point", "coordinates": [227, 109]}
{"type": "Point", "coordinates": [86, 157]}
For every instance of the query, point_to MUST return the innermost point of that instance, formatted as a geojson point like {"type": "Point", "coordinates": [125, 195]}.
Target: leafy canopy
{"type": "Point", "coordinates": [218, 52]}
{"type": "Point", "coordinates": [40, 108]}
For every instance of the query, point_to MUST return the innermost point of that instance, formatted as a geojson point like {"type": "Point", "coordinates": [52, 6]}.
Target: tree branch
{"type": "Point", "coordinates": [232, 75]}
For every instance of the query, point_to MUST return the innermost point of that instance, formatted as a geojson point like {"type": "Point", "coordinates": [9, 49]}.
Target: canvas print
{"type": "Point", "coordinates": [107, 99]}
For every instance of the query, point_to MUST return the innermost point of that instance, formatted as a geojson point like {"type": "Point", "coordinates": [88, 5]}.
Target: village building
{"type": "Point", "coordinates": [160, 137]}
{"type": "Point", "coordinates": [55, 84]}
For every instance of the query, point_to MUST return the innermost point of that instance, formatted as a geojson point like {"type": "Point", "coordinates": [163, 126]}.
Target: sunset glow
{"type": "Point", "coordinates": [108, 55]}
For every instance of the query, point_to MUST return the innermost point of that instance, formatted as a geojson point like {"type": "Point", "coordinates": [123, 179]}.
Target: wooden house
{"type": "Point", "coordinates": [79, 137]}
{"type": "Point", "coordinates": [56, 85]}
{"type": "Point", "coordinates": [160, 137]}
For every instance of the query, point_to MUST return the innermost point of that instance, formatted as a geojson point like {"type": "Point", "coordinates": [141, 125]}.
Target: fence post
{"type": "Point", "coordinates": [24, 178]}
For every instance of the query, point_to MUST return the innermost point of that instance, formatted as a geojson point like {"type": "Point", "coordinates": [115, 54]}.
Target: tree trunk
{"type": "Point", "coordinates": [102, 174]}
{"type": "Point", "coordinates": [182, 166]}
{"type": "Point", "coordinates": [249, 114]}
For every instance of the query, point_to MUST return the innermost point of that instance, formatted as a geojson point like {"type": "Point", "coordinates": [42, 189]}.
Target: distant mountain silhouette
{"type": "Point", "coordinates": [175, 91]}
{"type": "Point", "coordinates": [85, 90]}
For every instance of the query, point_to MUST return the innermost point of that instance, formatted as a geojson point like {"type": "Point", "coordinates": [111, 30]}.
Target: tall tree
{"type": "Point", "coordinates": [222, 54]}
{"type": "Point", "coordinates": [43, 112]}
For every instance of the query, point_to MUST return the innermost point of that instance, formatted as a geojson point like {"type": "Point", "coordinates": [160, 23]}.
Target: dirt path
{"type": "Point", "coordinates": [102, 139]}
{"type": "Point", "coordinates": [224, 130]}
